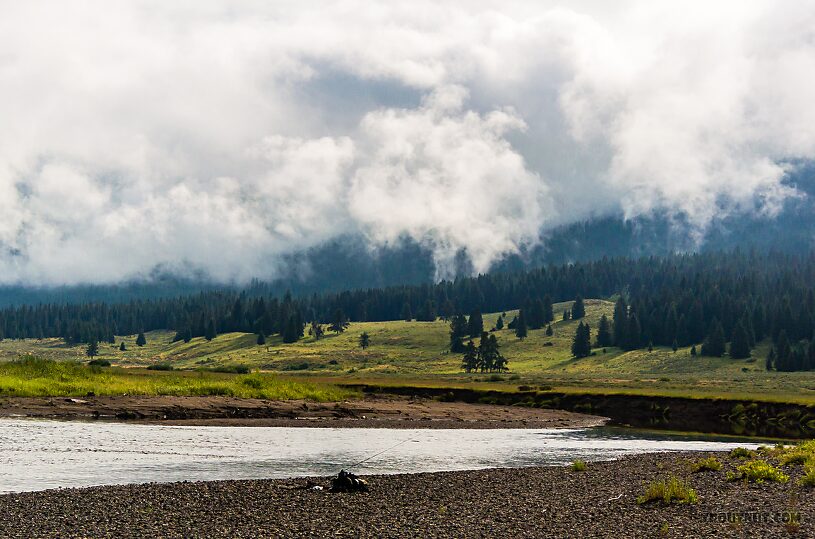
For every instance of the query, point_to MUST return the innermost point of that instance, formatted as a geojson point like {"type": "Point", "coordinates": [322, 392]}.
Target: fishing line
{"type": "Point", "coordinates": [383, 451]}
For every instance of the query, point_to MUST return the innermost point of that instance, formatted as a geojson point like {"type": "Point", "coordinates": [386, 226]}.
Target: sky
{"type": "Point", "coordinates": [217, 136]}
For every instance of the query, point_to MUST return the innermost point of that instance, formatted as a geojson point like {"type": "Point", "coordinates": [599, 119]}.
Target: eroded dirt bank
{"type": "Point", "coordinates": [371, 411]}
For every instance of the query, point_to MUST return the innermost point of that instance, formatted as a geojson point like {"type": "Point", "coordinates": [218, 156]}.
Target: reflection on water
{"type": "Point", "coordinates": [36, 455]}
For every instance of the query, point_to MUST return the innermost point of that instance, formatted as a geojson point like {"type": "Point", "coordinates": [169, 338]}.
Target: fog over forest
{"type": "Point", "coordinates": [220, 139]}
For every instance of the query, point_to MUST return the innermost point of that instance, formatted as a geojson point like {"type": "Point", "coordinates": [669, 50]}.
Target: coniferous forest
{"type": "Point", "coordinates": [724, 302]}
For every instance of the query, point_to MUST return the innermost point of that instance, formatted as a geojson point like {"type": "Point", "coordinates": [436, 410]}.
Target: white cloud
{"type": "Point", "coordinates": [137, 134]}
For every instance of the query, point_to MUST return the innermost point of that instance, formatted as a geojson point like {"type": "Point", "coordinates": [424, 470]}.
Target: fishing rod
{"type": "Point", "coordinates": [381, 452]}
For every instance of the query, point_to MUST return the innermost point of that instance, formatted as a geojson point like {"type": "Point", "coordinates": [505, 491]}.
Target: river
{"type": "Point", "coordinates": [37, 455]}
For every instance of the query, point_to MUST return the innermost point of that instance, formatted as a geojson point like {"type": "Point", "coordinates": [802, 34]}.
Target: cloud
{"type": "Point", "coordinates": [218, 136]}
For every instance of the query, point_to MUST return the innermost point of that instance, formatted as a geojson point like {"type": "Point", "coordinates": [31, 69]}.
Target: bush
{"type": "Point", "coordinates": [758, 471]}
{"type": "Point", "coordinates": [741, 453]}
{"type": "Point", "coordinates": [711, 464]}
{"type": "Point", "coordinates": [579, 466]}
{"type": "Point", "coordinates": [99, 363]}
{"type": "Point", "coordinates": [808, 480]}
{"type": "Point", "coordinates": [495, 378]}
{"type": "Point", "coordinates": [160, 367]}
{"type": "Point", "coordinates": [671, 490]}
{"type": "Point", "coordinates": [230, 369]}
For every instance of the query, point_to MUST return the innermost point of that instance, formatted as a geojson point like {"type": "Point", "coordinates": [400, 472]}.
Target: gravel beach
{"type": "Point", "coordinates": [524, 502]}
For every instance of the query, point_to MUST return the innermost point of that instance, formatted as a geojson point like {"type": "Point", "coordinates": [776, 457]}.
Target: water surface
{"type": "Point", "coordinates": [36, 455]}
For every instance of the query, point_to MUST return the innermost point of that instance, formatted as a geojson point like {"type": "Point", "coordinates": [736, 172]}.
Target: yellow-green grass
{"type": "Point", "coordinates": [34, 377]}
{"type": "Point", "coordinates": [416, 353]}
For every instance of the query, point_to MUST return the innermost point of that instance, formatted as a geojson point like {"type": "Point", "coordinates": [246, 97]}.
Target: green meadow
{"type": "Point", "coordinates": [415, 353]}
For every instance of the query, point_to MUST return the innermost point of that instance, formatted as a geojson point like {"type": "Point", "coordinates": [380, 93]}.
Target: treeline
{"type": "Point", "coordinates": [713, 298]}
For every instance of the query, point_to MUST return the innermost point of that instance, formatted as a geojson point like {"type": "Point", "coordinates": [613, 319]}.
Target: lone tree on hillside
{"type": "Point", "coordinates": [261, 339]}
{"type": "Point", "coordinates": [604, 337]}
{"type": "Point", "coordinates": [581, 345]}
{"type": "Point", "coordinates": [339, 322]}
{"type": "Point", "coordinates": [475, 324]}
{"type": "Point", "coordinates": [92, 350]}
{"type": "Point", "coordinates": [499, 324]}
{"type": "Point", "coordinates": [458, 330]}
{"type": "Point", "coordinates": [549, 330]}
{"type": "Point", "coordinates": [520, 325]}
{"type": "Point", "coordinates": [141, 340]}
{"type": "Point", "coordinates": [364, 340]}
{"type": "Point", "coordinates": [578, 308]}
{"type": "Point", "coordinates": [316, 330]}
{"type": "Point", "coordinates": [122, 347]}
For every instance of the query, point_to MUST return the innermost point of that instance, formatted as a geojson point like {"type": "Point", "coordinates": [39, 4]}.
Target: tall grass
{"type": "Point", "coordinates": [30, 376]}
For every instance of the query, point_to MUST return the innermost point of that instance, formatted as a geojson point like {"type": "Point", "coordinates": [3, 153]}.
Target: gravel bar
{"type": "Point", "coordinates": [521, 502]}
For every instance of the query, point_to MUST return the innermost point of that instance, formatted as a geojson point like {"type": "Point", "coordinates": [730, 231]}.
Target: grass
{"type": "Point", "coordinates": [579, 466]}
{"type": "Point", "coordinates": [741, 453]}
{"type": "Point", "coordinates": [33, 377]}
{"type": "Point", "coordinates": [415, 353]}
{"type": "Point", "coordinates": [758, 471]}
{"type": "Point", "coordinates": [710, 464]}
{"type": "Point", "coordinates": [667, 491]}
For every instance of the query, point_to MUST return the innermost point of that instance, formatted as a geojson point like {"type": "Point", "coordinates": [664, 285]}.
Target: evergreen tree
{"type": "Point", "coordinates": [470, 361]}
{"type": "Point", "coordinates": [604, 337]}
{"type": "Point", "coordinates": [291, 332]}
{"type": "Point", "coordinates": [458, 330]}
{"type": "Point", "coordinates": [578, 308]}
{"type": "Point", "coordinates": [210, 332]}
{"type": "Point", "coordinates": [783, 350]}
{"type": "Point", "coordinates": [769, 363]}
{"type": "Point", "coordinates": [549, 330]}
{"type": "Point", "coordinates": [675, 346]}
{"type": "Point", "coordinates": [714, 344]}
{"type": "Point", "coordinates": [122, 347]}
{"type": "Point", "coordinates": [567, 314]}
{"type": "Point", "coordinates": [316, 330]}
{"type": "Point", "coordinates": [141, 340]}
{"type": "Point", "coordinates": [261, 340]}
{"type": "Point", "coordinates": [633, 333]}
{"type": "Point", "coordinates": [620, 322]}
{"type": "Point", "coordinates": [740, 342]}
{"type": "Point", "coordinates": [407, 314]}
{"type": "Point", "coordinates": [548, 312]}
{"type": "Point", "coordinates": [338, 322]}
{"type": "Point", "coordinates": [427, 313]}
{"type": "Point", "coordinates": [187, 335]}
{"type": "Point", "coordinates": [693, 350]}
{"type": "Point", "coordinates": [364, 340]}
{"type": "Point", "coordinates": [581, 344]}
{"type": "Point", "coordinates": [520, 325]}
{"type": "Point", "coordinates": [475, 323]}
{"type": "Point", "coordinates": [499, 362]}
{"type": "Point", "coordinates": [92, 350]}
{"type": "Point", "coordinates": [537, 315]}
{"type": "Point", "coordinates": [499, 324]}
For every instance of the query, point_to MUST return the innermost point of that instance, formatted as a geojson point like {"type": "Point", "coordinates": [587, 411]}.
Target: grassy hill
{"type": "Point", "coordinates": [416, 353]}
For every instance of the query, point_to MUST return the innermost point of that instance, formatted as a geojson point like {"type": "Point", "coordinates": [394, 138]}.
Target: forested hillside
{"type": "Point", "coordinates": [675, 300]}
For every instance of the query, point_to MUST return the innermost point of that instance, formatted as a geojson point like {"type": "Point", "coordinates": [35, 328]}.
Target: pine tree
{"type": "Point", "coordinates": [578, 308]}
{"type": "Point", "coordinates": [316, 330]}
{"type": "Point", "coordinates": [499, 324]}
{"type": "Point", "coordinates": [714, 345]}
{"type": "Point", "coordinates": [92, 350]}
{"type": "Point", "coordinates": [537, 315]}
{"type": "Point", "coordinates": [261, 340]}
{"type": "Point", "coordinates": [675, 346]}
{"type": "Point", "coordinates": [364, 340]}
{"type": "Point", "coordinates": [581, 344]}
{"type": "Point", "coordinates": [210, 332]}
{"type": "Point", "coordinates": [338, 322]}
{"type": "Point", "coordinates": [458, 330]}
{"type": "Point", "coordinates": [740, 342]}
{"type": "Point", "coordinates": [499, 361]}
{"type": "Point", "coordinates": [548, 312]}
{"type": "Point", "coordinates": [604, 337]}
{"type": "Point", "coordinates": [187, 335]}
{"type": "Point", "coordinates": [291, 333]}
{"type": "Point", "coordinates": [693, 350]}
{"type": "Point", "coordinates": [520, 325]}
{"type": "Point", "coordinates": [769, 363]}
{"type": "Point", "coordinates": [426, 313]}
{"type": "Point", "coordinates": [620, 322]}
{"type": "Point", "coordinates": [407, 314]}
{"type": "Point", "coordinates": [567, 314]}
{"type": "Point", "coordinates": [475, 323]}
{"type": "Point", "coordinates": [549, 330]}
{"type": "Point", "coordinates": [783, 350]}
{"type": "Point", "coordinates": [470, 361]}
{"type": "Point", "coordinates": [141, 340]}
{"type": "Point", "coordinates": [122, 347]}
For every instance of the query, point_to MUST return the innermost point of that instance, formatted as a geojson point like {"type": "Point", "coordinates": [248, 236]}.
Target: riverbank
{"type": "Point", "coordinates": [523, 502]}
{"type": "Point", "coordinates": [372, 411]}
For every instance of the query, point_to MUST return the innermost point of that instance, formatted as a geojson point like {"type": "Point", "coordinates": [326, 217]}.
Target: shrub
{"type": "Point", "coordinates": [671, 490]}
{"type": "Point", "coordinates": [758, 471]}
{"type": "Point", "coordinates": [808, 480]}
{"type": "Point", "coordinates": [579, 466]}
{"type": "Point", "coordinates": [160, 367]}
{"type": "Point", "coordinates": [495, 378]}
{"type": "Point", "coordinates": [711, 464]}
{"type": "Point", "coordinates": [230, 369]}
{"type": "Point", "coordinates": [796, 456]}
{"type": "Point", "coordinates": [99, 363]}
{"type": "Point", "coordinates": [741, 453]}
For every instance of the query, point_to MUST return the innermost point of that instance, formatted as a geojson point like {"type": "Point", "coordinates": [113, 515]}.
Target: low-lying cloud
{"type": "Point", "coordinates": [218, 136]}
